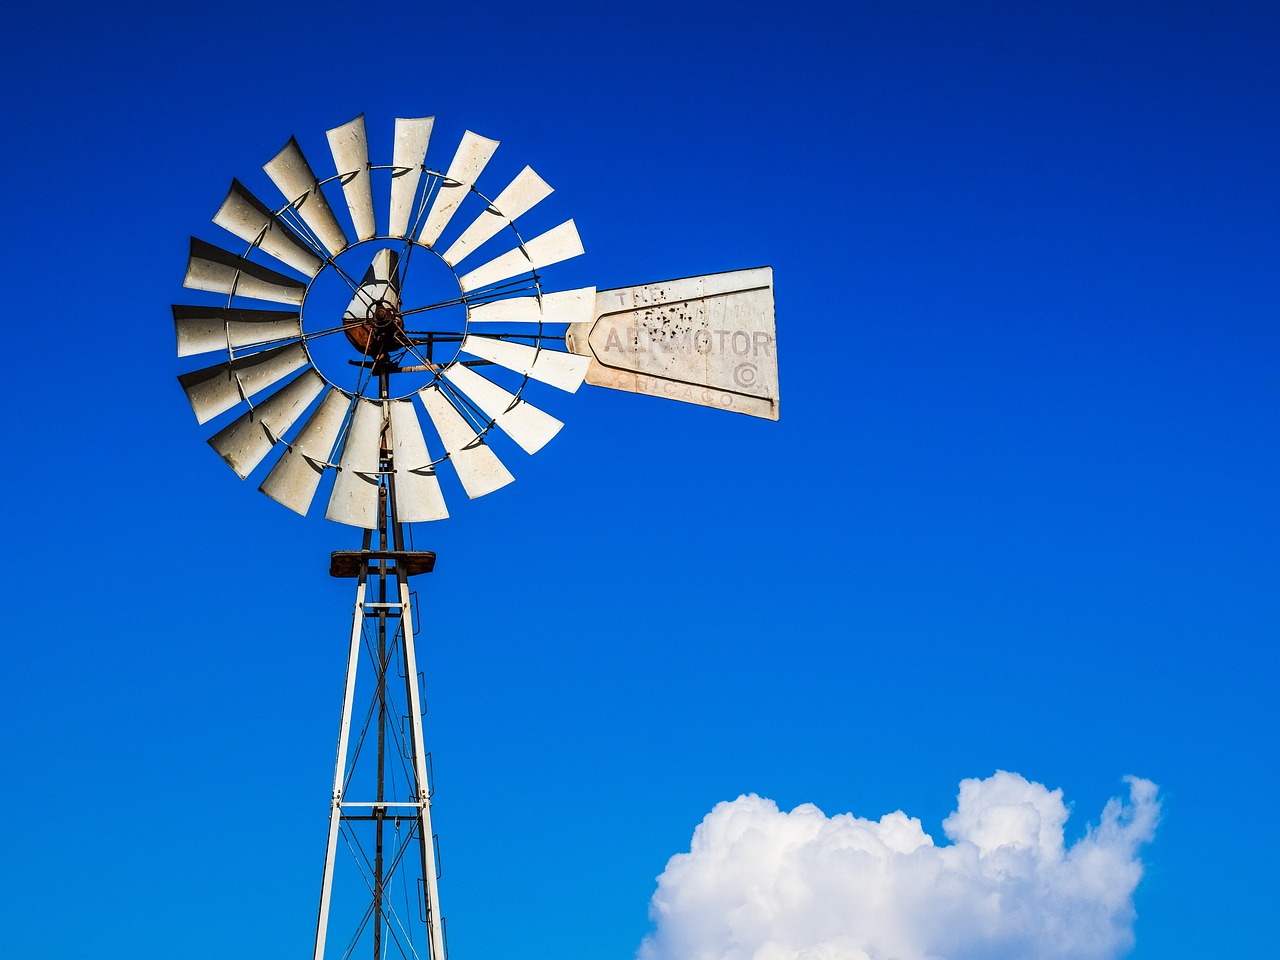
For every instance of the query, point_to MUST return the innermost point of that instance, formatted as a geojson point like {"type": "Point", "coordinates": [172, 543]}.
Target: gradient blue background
{"type": "Point", "coordinates": [1020, 510]}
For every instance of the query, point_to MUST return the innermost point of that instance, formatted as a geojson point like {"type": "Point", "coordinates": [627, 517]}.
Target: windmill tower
{"type": "Point", "coordinates": [436, 306]}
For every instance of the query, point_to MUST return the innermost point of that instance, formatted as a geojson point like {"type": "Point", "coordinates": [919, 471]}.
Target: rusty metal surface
{"type": "Point", "coordinates": [291, 173]}
{"type": "Point", "coordinates": [246, 441]}
{"type": "Point", "coordinates": [349, 564]}
{"type": "Point", "coordinates": [373, 322]}
{"type": "Point", "coordinates": [707, 340]}
{"type": "Point", "coordinates": [350, 150]}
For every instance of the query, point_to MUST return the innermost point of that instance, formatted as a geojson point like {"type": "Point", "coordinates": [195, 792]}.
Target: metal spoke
{"type": "Point", "coordinates": [288, 216]}
{"type": "Point", "coordinates": [328, 331]}
{"type": "Point", "coordinates": [355, 287]}
{"type": "Point", "coordinates": [422, 361]}
{"type": "Point", "coordinates": [256, 345]}
{"type": "Point", "coordinates": [441, 336]}
{"type": "Point", "coordinates": [350, 836]}
{"type": "Point", "coordinates": [499, 292]}
{"type": "Point", "coordinates": [362, 381]}
{"type": "Point", "coordinates": [406, 251]}
{"type": "Point", "coordinates": [474, 415]}
{"type": "Point", "coordinates": [417, 356]}
{"type": "Point", "coordinates": [457, 301]}
{"type": "Point", "coordinates": [431, 186]}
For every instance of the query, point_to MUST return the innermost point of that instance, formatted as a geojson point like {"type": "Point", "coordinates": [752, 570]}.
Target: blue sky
{"type": "Point", "coordinates": [1018, 514]}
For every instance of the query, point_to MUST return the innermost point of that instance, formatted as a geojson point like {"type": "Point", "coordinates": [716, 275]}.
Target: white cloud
{"type": "Point", "coordinates": [761, 884]}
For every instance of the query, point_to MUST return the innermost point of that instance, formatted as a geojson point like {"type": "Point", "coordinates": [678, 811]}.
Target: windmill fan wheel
{"type": "Point", "coordinates": [434, 305]}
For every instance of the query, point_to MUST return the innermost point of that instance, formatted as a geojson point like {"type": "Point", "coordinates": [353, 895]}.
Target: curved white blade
{"type": "Point", "coordinates": [520, 420]}
{"type": "Point", "coordinates": [379, 283]}
{"type": "Point", "coordinates": [565, 306]}
{"type": "Point", "coordinates": [412, 137]}
{"type": "Point", "coordinates": [558, 243]}
{"type": "Point", "coordinates": [350, 148]}
{"type": "Point", "coordinates": [417, 488]}
{"type": "Point", "coordinates": [218, 271]}
{"type": "Point", "coordinates": [290, 171]}
{"type": "Point", "coordinates": [216, 389]}
{"type": "Point", "coordinates": [248, 218]}
{"type": "Point", "coordinates": [473, 153]}
{"type": "Point", "coordinates": [478, 468]}
{"type": "Point", "coordinates": [246, 441]}
{"type": "Point", "coordinates": [294, 478]}
{"type": "Point", "coordinates": [563, 370]}
{"type": "Point", "coordinates": [354, 499]}
{"type": "Point", "coordinates": [521, 195]}
{"type": "Point", "coordinates": [205, 329]}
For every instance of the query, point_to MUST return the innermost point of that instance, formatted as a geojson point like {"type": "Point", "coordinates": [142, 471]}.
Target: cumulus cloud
{"type": "Point", "coordinates": [762, 884]}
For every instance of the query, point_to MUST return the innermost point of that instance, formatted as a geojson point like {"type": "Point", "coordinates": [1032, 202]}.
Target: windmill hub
{"type": "Point", "coordinates": [385, 314]}
{"type": "Point", "coordinates": [379, 332]}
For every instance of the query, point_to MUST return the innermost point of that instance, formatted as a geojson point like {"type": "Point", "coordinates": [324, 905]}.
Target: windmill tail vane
{"type": "Point", "coordinates": [335, 324]}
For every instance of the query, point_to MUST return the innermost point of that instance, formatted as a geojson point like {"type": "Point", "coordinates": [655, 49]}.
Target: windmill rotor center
{"type": "Point", "coordinates": [399, 310]}
{"type": "Point", "coordinates": [380, 331]}
{"type": "Point", "coordinates": [385, 314]}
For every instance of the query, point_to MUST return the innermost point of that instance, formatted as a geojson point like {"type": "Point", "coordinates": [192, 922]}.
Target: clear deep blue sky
{"type": "Point", "coordinates": [1019, 512]}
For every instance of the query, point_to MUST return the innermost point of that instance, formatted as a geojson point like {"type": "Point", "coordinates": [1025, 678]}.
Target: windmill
{"type": "Point", "coordinates": [333, 339]}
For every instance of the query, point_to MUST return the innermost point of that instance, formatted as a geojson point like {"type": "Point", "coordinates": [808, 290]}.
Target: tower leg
{"type": "Point", "coordinates": [423, 796]}
{"type": "Point", "coordinates": [340, 765]}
